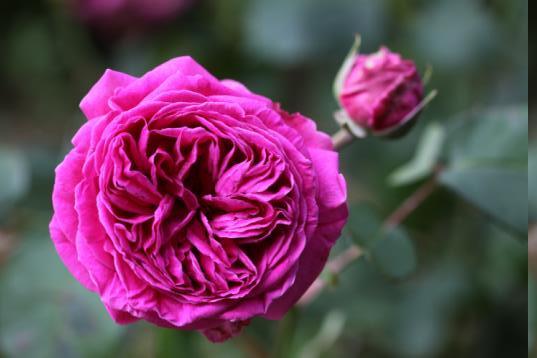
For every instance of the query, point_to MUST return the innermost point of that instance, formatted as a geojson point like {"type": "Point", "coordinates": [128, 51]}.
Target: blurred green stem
{"type": "Point", "coordinates": [285, 335]}
{"type": "Point", "coordinates": [250, 346]}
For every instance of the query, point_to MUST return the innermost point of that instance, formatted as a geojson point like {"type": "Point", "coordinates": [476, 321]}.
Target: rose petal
{"type": "Point", "coordinates": [95, 103]}
{"type": "Point", "coordinates": [132, 94]}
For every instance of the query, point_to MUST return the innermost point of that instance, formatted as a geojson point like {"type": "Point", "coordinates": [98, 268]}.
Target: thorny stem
{"type": "Point", "coordinates": [351, 254]}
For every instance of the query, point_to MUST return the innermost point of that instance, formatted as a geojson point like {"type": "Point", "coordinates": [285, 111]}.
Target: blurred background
{"type": "Point", "coordinates": [452, 283]}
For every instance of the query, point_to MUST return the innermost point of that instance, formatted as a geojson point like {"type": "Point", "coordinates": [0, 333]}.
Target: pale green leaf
{"type": "Point", "coordinates": [427, 154]}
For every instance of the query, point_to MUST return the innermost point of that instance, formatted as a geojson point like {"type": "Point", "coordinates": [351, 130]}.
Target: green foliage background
{"type": "Point", "coordinates": [452, 281]}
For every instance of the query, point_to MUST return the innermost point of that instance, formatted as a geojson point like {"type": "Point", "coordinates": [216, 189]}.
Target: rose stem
{"type": "Point", "coordinates": [342, 138]}
{"type": "Point", "coordinates": [351, 254]}
{"type": "Point", "coordinates": [410, 204]}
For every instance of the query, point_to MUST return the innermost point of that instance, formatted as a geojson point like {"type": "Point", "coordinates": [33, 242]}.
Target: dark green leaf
{"type": "Point", "coordinates": [491, 138]}
{"type": "Point", "coordinates": [364, 224]}
{"type": "Point", "coordinates": [394, 254]}
{"type": "Point", "coordinates": [501, 193]}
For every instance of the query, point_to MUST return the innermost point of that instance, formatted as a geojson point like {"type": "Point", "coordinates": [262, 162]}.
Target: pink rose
{"type": "Point", "coordinates": [381, 90]}
{"type": "Point", "coordinates": [125, 14]}
{"type": "Point", "coordinates": [193, 203]}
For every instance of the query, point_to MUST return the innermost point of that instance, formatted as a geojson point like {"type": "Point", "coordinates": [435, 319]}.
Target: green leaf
{"type": "Point", "coordinates": [487, 164]}
{"type": "Point", "coordinates": [501, 193]}
{"type": "Point", "coordinates": [426, 158]}
{"type": "Point", "coordinates": [491, 138]}
{"type": "Point", "coordinates": [394, 254]}
{"type": "Point", "coordinates": [44, 312]}
{"type": "Point", "coordinates": [364, 224]}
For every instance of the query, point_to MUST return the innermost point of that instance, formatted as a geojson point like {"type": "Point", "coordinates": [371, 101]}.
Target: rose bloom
{"type": "Point", "coordinates": [193, 203]}
{"type": "Point", "coordinates": [381, 90]}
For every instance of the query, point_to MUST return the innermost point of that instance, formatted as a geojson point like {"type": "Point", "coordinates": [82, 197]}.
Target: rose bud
{"type": "Point", "coordinates": [194, 203]}
{"type": "Point", "coordinates": [380, 93]}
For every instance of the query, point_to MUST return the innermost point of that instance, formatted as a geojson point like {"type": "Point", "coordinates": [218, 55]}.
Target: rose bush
{"type": "Point", "coordinates": [381, 90]}
{"type": "Point", "coordinates": [193, 203]}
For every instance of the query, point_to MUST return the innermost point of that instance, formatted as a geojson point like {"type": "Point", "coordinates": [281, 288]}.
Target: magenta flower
{"type": "Point", "coordinates": [193, 203]}
{"type": "Point", "coordinates": [381, 90]}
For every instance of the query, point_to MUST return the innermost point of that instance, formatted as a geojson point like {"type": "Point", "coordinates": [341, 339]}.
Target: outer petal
{"type": "Point", "coordinates": [64, 224]}
{"type": "Point", "coordinates": [91, 240]}
{"type": "Point", "coordinates": [332, 188]}
{"type": "Point", "coordinates": [121, 317]}
{"type": "Point", "coordinates": [225, 331]}
{"type": "Point", "coordinates": [308, 130]}
{"type": "Point", "coordinates": [243, 90]}
{"type": "Point", "coordinates": [133, 94]}
{"type": "Point", "coordinates": [95, 103]}
{"type": "Point", "coordinates": [67, 252]}
{"type": "Point", "coordinates": [333, 214]}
